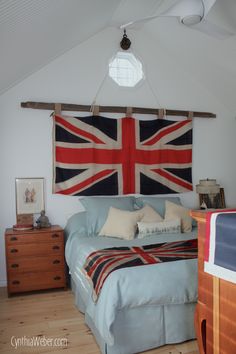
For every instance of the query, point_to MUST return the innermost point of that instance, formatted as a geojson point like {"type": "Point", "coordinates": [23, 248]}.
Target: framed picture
{"type": "Point", "coordinates": [29, 195]}
{"type": "Point", "coordinates": [217, 202]}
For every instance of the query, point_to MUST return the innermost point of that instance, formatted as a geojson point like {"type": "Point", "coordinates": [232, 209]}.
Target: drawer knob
{"type": "Point", "coordinates": [14, 250]}
{"type": "Point", "coordinates": [56, 261]}
{"type": "Point", "coordinates": [55, 235]}
{"type": "Point", "coordinates": [15, 282]}
{"type": "Point", "coordinates": [15, 265]}
{"type": "Point", "coordinates": [57, 278]}
{"type": "Point", "coordinates": [13, 238]}
{"type": "Point", "coordinates": [56, 248]}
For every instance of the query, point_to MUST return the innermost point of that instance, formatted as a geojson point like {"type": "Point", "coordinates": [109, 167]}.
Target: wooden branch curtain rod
{"type": "Point", "coordinates": [115, 109]}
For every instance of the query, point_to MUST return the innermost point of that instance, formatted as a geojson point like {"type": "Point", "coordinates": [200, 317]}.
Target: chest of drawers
{"type": "Point", "coordinates": [215, 316]}
{"type": "Point", "coordinates": [35, 259]}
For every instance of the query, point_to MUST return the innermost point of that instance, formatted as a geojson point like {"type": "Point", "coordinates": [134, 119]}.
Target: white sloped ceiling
{"type": "Point", "coordinates": [209, 60]}
{"type": "Point", "coordinates": [34, 32]}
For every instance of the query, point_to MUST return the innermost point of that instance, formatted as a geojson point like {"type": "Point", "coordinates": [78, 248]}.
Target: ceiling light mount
{"type": "Point", "coordinates": [125, 42]}
{"type": "Point", "coordinates": [191, 20]}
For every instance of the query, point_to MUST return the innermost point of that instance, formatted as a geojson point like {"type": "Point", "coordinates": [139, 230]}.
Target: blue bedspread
{"type": "Point", "coordinates": [156, 284]}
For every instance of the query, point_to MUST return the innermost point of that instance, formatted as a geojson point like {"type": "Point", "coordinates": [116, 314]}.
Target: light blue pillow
{"type": "Point", "coordinates": [76, 224]}
{"type": "Point", "coordinates": [98, 207]}
{"type": "Point", "coordinates": [158, 203]}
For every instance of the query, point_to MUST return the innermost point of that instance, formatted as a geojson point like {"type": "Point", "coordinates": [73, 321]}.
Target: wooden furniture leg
{"type": "Point", "coordinates": [200, 327]}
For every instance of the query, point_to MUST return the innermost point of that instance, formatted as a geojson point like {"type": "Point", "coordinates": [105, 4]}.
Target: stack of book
{"type": "Point", "coordinates": [23, 227]}
{"type": "Point", "coordinates": [24, 222]}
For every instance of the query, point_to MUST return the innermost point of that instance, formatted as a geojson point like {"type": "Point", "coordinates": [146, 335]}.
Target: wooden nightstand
{"type": "Point", "coordinates": [35, 259]}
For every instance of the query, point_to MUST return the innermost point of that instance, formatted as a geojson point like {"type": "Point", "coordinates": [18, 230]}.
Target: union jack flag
{"type": "Point", "coordinates": [103, 156]}
{"type": "Point", "coordinates": [100, 264]}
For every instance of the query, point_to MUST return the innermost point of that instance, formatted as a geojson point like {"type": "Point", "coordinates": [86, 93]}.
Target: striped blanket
{"type": "Point", "coordinates": [101, 263]}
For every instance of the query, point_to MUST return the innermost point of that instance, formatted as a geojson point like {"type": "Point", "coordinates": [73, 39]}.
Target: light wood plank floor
{"type": "Point", "coordinates": [53, 315]}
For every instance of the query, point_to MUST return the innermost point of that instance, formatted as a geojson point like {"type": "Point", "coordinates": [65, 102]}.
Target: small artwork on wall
{"type": "Point", "coordinates": [29, 195]}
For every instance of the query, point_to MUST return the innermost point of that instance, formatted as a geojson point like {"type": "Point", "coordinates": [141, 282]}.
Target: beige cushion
{"type": "Point", "coordinates": [149, 214]}
{"type": "Point", "coordinates": [164, 227]}
{"type": "Point", "coordinates": [121, 223]}
{"type": "Point", "coordinates": [174, 211]}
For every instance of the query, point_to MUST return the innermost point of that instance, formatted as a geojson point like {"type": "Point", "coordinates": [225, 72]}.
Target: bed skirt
{"type": "Point", "coordinates": [142, 328]}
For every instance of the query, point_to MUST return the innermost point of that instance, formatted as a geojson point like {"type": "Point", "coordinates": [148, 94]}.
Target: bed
{"type": "Point", "coordinates": [138, 308]}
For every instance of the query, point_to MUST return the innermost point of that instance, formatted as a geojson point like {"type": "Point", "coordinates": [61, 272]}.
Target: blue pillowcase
{"type": "Point", "coordinates": [76, 224]}
{"type": "Point", "coordinates": [98, 207]}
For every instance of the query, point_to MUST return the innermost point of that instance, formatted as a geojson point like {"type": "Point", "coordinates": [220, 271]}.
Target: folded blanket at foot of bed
{"type": "Point", "coordinates": [101, 263]}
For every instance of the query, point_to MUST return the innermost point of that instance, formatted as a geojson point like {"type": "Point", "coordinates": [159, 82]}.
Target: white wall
{"type": "Point", "coordinates": [25, 135]}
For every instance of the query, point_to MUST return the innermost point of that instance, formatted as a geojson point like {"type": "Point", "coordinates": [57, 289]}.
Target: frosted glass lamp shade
{"type": "Point", "coordinates": [207, 186]}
